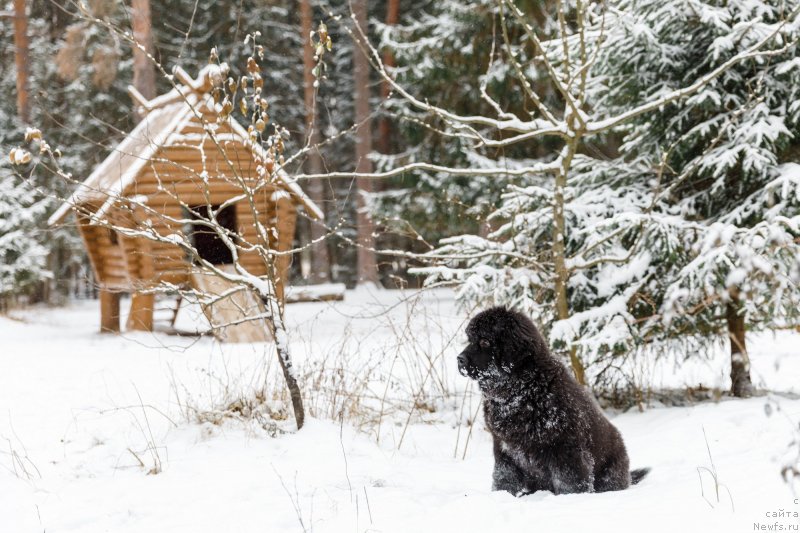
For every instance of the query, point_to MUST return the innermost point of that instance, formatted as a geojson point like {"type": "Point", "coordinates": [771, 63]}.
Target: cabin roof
{"type": "Point", "coordinates": [165, 116]}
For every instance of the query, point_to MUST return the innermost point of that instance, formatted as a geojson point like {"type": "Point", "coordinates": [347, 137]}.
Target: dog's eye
{"type": "Point", "coordinates": [484, 343]}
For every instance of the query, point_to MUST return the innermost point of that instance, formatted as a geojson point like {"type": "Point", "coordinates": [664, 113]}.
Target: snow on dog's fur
{"type": "Point", "coordinates": [549, 433]}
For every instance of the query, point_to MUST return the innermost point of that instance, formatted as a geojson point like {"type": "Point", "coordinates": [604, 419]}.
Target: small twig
{"type": "Point", "coordinates": [135, 455]}
{"type": "Point", "coordinates": [293, 498]}
{"type": "Point", "coordinates": [471, 427]}
{"type": "Point", "coordinates": [369, 510]}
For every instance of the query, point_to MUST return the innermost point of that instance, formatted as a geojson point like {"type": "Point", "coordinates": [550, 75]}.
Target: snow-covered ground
{"type": "Point", "coordinates": [84, 417]}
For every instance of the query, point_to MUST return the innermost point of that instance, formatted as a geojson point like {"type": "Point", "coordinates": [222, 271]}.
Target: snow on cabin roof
{"type": "Point", "coordinates": [165, 115]}
{"type": "Point", "coordinates": [126, 159]}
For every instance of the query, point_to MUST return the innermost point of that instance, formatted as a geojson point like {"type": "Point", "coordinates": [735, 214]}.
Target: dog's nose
{"type": "Point", "coordinates": [462, 360]}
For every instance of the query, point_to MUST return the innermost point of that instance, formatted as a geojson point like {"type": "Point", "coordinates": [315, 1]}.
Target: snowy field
{"type": "Point", "coordinates": [101, 433]}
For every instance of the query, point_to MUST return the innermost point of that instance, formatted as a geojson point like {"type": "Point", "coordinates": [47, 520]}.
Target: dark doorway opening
{"type": "Point", "coordinates": [205, 240]}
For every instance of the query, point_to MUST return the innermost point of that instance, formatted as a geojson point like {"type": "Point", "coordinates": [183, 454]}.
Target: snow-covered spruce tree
{"type": "Point", "coordinates": [577, 233]}
{"type": "Point", "coordinates": [21, 208]}
{"type": "Point", "coordinates": [729, 198]}
{"type": "Point", "coordinates": [22, 254]}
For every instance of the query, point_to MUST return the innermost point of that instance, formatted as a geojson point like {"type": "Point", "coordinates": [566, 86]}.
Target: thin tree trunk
{"type": "Point", "coordinates": [21, 58]}
{"type": "Point", "coordinates": [320, 259]}
{"type": "Point", "coordinates": [367, 267]}
{"type": "Point", "coordinates": [385, 125]}
{"type": "Point", "coordinates": [144, 72]}
{"type": "Point", "coordinates": [741, 384]}
{"type": "Point", "coordinates": [559, 255]}
{"type": "Point", "coordinates": [278, 330]}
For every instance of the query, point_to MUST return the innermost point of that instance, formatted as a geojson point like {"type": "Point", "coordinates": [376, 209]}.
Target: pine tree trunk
{"type": "Point", "coordinates": [144, 72]}
{"type": "Point", "coordinates": [367, 267]}
{"type": "Point", "coordinates": [385, 125]}
{"type": "Point", "coordinates": [320, 259]}
{"type": "Point", "coordinates": [741, 384]}
{"type": "Point", "coordinates": [21, 58]}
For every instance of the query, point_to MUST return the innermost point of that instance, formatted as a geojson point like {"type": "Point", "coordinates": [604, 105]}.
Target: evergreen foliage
{"type": "Point", "coordinates": [697, 209]}
{"type": "Point", "coordinates": [447, 51]}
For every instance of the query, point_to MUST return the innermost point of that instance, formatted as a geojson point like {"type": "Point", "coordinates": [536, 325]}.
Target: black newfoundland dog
{"type": "Point", "coordinates": [549, 433]}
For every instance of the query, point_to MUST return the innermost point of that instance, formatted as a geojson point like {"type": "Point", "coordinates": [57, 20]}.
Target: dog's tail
{"type": "Point", "coordinates": [638, 475]}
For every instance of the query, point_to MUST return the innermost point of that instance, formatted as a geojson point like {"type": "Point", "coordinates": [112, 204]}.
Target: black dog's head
{"type": "Point", "coordinates": [501, 342]}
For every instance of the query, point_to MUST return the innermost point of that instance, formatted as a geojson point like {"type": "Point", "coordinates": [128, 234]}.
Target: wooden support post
{"type": "Point", "coordinates": [109, 311]}
{"type": "Point", "coordinates": [141, 315]}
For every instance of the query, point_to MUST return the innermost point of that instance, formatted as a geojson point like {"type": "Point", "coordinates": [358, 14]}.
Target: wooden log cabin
{"type": "Point", "coordinates": [167, 170]}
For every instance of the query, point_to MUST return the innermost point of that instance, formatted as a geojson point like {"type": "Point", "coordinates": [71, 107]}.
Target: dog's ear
{"type": "Point", "coordinates": [522, 343]}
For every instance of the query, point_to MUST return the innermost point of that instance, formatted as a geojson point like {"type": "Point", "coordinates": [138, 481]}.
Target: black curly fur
{"type": "Point", "coordinates": [549, 433]}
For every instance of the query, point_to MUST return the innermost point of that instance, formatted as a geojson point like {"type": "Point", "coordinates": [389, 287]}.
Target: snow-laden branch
{"type": "Point", "coordinates": [535, 127]}
{"type": "Point", "coordinates": [557, 80]}
{"type": "Point", "coordinates": [753, 52]}
{"type": "Point", "coordinates": [541, 168]}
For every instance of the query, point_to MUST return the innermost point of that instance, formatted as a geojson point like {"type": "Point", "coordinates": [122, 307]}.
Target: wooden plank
{"type": "Point", "coordinates": [146, 266]}
{"type": "Point", "coordinates": [221, 191]}
{"type": "Point", "coordinates": [118, 274]}
{"type": "Point", "coordinates": [174, 277]}
{"type": "Point", "coordinates": [237, 161]}
{"type": "Point", "coordinates": [192, 173]}
{"type": "Point", "coordinates": [259, 270]}
{"type": "Point", "coordinates": [324, 292]}
{"type": "Point", "coordinates": [115, 262]}
{"type": "Point", "coordinates": [109, 311]}
{"type": "Point", "coordinates": [166, 248]}
{"type": "Point", "coordinates": [221, 184]}
{"type": "Point", "coordinates": [161, 265]}
{"type": "Point", "coordinates": [235, 307]}
{"type": "Point", "coordinates": [256, 268]}
{"type": "Point", "coordinates": [118, 282]}
{"type": "Point", "coordinates": [141, 314]}
{"type": "Point", "coordinates": [192, 197]}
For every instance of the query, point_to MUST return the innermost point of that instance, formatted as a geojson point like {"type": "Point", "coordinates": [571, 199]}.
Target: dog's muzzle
{"type": "Point", "coordinates": [462, 365]}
